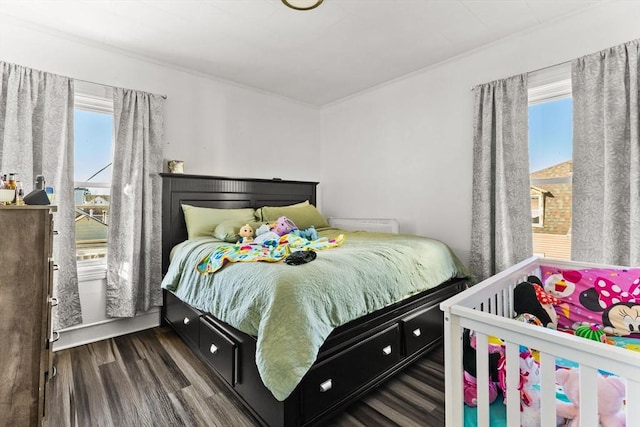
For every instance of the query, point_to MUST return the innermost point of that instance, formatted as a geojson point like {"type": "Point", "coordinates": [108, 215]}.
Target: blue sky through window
{"type": "Point", "coordinates": [93, 145]}
{"type": "Point", "coordinates": [550, 133]}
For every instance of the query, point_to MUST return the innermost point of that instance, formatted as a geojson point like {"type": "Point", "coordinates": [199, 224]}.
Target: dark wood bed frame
{"type": "Point", "coordinates": [355, 358]}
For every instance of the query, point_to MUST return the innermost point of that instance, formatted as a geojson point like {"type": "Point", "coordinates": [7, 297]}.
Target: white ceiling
{"type": "Point", "coordinates": [316, 57]}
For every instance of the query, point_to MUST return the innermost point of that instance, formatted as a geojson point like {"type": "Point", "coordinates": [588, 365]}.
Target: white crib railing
{"type": "Point", "coordinates": [487, 309]}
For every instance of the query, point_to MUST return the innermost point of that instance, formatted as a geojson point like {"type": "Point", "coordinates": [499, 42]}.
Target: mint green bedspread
{"type": "Point", "coordinates": [293, 309]}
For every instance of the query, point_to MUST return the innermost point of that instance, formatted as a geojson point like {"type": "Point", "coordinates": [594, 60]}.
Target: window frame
{"type": "Point", "coordinates": [547, 85]}
{"type": "Point", "coordinates": [98, 99]}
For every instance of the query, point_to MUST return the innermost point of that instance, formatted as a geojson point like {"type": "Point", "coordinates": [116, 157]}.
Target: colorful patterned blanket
{"type": "Point", "coordinates": [269, 251]}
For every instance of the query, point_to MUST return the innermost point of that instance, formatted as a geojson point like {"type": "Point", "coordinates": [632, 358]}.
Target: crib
{"type": "Point", "coordinates": [487, 309]}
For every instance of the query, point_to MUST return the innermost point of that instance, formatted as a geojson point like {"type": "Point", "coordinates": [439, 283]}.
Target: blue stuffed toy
{"type": "Point", "coordinates": [308, 233]}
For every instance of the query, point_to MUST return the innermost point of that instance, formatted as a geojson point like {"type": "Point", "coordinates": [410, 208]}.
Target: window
{"type": "Point", "coordinates": [550, 160]}
{"type": "Point", "coordinates": [93, 154]}
{"type": "Point", "coordinates": [537, 210]}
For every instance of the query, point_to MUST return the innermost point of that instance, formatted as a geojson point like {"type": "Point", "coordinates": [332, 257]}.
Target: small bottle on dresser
{"type": "Point", "coordinates": [12, 184]}
{"type": "Point", "coordinates": [19, 194]}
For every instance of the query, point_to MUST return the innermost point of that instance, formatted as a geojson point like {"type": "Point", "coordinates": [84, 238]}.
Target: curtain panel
{"type": "Point", "coordinates": [36, 138]}
{"type": "Point", "coordinates": [501, 222]}
{"type": "Point", "coordinates": [134, 245]}
{"type": "Point", "coordinates": [606, 156]}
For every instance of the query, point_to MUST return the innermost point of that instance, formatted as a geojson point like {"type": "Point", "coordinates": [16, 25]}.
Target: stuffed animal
{"type": "Point", "coordinates": [546, 300]}
{"type": "Point", "coordinates": [282, 226]}
{"type": "Point", "coordinates": [525, 300]}
{"type": "Point", "coordinates": [264, 234]}
{"type": "Point", "coordinates": [308, 233]}
{"type": "Point", "coordinates": [469, 363]}
{"type": "Point", "coordinates": [611, 393]}
{"type": "Point", "coordinates": [529, 395]}
{"type": "Point", "coordinates": [470, 390]}
{"type": "Point", "coordinates": [591, 331]}
{"type": "Point", "coordinates": [246, 234]}
{"type": "Point", "coordinates": [469, 356]}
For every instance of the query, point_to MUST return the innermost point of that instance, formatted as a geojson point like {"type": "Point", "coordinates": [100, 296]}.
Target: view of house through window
{"type": "Point", "coordinates": [93, 151]}
{"type": "Point", "coordinates": [550, 158]}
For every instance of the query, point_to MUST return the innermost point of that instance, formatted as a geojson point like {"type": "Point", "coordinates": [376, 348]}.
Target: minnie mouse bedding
{"type": "Point", "coordinates": [610, 297]}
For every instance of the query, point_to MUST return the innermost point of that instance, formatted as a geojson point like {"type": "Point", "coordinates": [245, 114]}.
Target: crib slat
{"type": "Point", "coordinates": [633, 400]}
{"type": "Point", "coordinates": [588, 396]}
{"type": "Point", "coordinates": [547, 382]}
{"type": "Point", "coordinates": [513, 378]}
{"type": "Point", "coordinates": [482, 378]}
{"type": "Point", "coordinates": [453, 370]}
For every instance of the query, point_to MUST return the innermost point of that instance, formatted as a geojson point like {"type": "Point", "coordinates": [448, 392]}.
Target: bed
{"type": "Point", "coordinates": [354, 358]}
{"type": "Point", "coordinates": [488, 309]}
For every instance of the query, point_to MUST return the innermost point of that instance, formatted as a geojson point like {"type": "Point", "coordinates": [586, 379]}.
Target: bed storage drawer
{"type": "Point", "coordinates": [421, 329]}
{"type": "Point", "coordinates": [219, 350]}
{"type": "Point", "coordinates": [183, 318]}
{"type": "Point", "coordinates": [327, 383]}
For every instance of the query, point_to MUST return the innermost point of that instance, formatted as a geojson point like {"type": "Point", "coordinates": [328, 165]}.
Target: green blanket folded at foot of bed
{"type": "Point", "coordinates": [270, 251]}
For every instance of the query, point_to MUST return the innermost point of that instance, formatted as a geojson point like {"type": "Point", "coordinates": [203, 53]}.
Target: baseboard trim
{"type": "Point", "coordinates": [93, 332]}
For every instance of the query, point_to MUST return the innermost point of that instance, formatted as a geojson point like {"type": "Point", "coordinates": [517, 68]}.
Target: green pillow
{"type": "Point", "coordinates": [259, 215]}
{"type": "Point", "coordinates": [228, 230]}
{"type": "Point", "coordinates": [304, 216]}
{"type": "Point", "coordinates": [203, 221]}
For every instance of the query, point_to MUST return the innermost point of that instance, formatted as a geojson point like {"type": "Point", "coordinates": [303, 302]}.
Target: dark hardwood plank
{"type": "Point", "coordinates": [151, 378]}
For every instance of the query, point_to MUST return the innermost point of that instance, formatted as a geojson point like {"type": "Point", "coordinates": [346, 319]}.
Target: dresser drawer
{"type": "Point", "coordinates": [326, 385]}
{"type": "Point", "coordinates": [183, 318]}
{"type": "Point", "coordinates": [219, 350]}
{"type": "Point", "coordinates": [421, 329]}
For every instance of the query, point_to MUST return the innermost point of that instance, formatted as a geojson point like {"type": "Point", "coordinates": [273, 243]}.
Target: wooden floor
{"type": "Point", "coordinates": [151, 378]}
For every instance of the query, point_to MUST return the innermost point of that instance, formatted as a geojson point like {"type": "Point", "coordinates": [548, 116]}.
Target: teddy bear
{"type": "Point", "coordinates": [611, 394]}
{"type": "Point", "coordinates": [246, 234]}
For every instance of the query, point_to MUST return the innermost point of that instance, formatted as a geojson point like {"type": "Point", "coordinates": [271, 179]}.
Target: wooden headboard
{"type": "Point", "coordinates": [221, 192]}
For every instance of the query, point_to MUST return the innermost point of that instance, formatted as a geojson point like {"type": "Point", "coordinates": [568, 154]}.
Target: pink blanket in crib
{"type": "Point", "coordinates": [610, 297]}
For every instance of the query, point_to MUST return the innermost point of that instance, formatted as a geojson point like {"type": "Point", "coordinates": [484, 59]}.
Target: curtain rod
{"type": "Point", "coordinates": [529, 72]}
{"type": "Point", "coordinates": [80, 80]}
{"type": "Point", "coordinates": [116, 87]}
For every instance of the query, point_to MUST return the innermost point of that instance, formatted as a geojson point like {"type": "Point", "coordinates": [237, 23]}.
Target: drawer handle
{"type": "Point", "coordinates": [416, 332]}
{"type": "Point", "coordinates": [55, 232]}
{"type": "Point", "coordinates": [213, 349]}
{"type": "Point", "coordinates": [53, 301]}
{"type": "Point", "coordinates": [56, 336]}
{"type": "Point", "coordinates": [186, 321]}
{"type": "Point", "coordinates": [56, 267]}
{"type": "Point", "coordinates": [387, 350]}
{"type": "Point", "coordinates": [54, 372]}
{"type": "Point", "coordinates": [326, 386]}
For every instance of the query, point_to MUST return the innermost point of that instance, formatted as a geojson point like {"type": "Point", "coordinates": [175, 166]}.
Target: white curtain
{"type": "Point", "coordinates": [36, 138]}
{"type": "Point", "coordinates": [134, 245]}
{"type": "Point", "coordinates": [501, 222]}
{"type": "Point", "coordinates": [606, 156]}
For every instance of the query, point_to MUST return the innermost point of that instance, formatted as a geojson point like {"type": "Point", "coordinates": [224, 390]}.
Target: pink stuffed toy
{"type": "Point", "coordinates": [611, 394]}
{"type": "Point", "coordinates": [470, 383]}
{"type": "Point", "coordinates": [470, 390]}
{"type": "Point", "coordinates": [282, 226]}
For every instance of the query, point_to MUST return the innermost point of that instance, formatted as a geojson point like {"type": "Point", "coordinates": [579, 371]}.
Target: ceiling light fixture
{"type": "Point", "coordinates": [302, 4]}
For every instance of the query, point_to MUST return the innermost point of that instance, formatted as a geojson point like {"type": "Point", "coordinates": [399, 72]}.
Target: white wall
{"type": "Point", "coordinates": [405, 148]}
{"type": "Point", "coordinates": [217, 128]}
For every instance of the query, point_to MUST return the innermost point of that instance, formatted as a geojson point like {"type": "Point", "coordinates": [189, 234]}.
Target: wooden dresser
{"type": "Point", "coordinates": [26, 278]}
